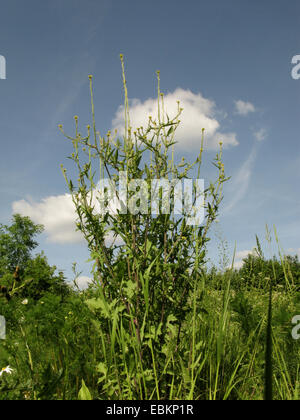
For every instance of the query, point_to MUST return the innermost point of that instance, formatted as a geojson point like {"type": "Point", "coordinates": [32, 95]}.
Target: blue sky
{"type": "Point", "coordinates": [228, 60]}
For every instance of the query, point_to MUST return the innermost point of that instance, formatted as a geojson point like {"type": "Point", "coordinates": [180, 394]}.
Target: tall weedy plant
{"type": "Point", "coordinates": [148, 267]}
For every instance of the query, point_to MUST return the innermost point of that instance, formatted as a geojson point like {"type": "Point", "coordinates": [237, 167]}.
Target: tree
{"type": "Point", "coordinates": [284, 272]}
{"type": "Point", "coordinates": [42, 278]}
{"type": "Point", "coordinates": [22, 274]}
{"type": "Point", "coordinates": [17, 242]}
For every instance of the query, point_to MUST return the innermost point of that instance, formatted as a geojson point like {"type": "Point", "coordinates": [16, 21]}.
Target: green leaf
{"type": "Point", "coordinates": [84, 393]}
{"type": "Point", "coordinates": [94, 304]}
{"type": "Point", "coordinates": [101, 368]}
{"type": "Point", "coordinates": [171, 129]}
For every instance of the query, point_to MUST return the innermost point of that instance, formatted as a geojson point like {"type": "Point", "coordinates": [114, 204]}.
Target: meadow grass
{"type": "Point", "coordinates": [222, 353]}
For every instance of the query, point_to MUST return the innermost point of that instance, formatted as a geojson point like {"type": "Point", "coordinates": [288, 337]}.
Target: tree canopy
{"type": "Point", "coordinates": [21, 273]}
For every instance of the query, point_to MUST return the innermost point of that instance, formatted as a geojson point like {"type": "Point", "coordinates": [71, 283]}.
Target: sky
{"type": "Point", "coordinates": [229, 62]}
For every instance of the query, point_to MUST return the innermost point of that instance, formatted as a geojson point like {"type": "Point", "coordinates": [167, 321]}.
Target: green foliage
{"type": "Point", "coordinates": [50, 345]}
{"type": "Point", "coordinates": [42, 278]}
{"type": "Point", "coordinates": [84, 393]}
{"type": "Point", "coordinates": [16, 242]}
{"type": "Point", "coordinates": [148, 284]}
{"type": "Point", "coordinates": [257, 272]}
{"type": "Point", "coordinates": [53, 344]}
{"type": "Point", "coordinates": [21, 274]}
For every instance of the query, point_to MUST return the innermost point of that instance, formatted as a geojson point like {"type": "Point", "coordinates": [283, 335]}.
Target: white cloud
{"type": "Point", "coordinates": [56, 213]}
{"type": "Point", "coordinates": [198, 112]}
{"type": "Point", "coordinates": [239, 256]}
{"type": "Point", "coordinates": [261, 134]}
{"type": "Point", "coordinates": [244, 108]}
{"type": "Point", "coordinates": [293, 251]}
{"type": "Point", "coordinates": [238, 264]}
{"type": "Point", "coordinates": [83, 282]}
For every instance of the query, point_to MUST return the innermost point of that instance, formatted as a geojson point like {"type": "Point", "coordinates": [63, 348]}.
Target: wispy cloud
{"type": "Point", "coordinates": [198, 112]}
{"type": "Point", "coordinates": [240, 181]}
{"type": "Point", "coordinates": [261, 134]}
{"type": "Point", "coordinates": [244, 108]}
{"type": "Point", "coordinates": [77, 78]}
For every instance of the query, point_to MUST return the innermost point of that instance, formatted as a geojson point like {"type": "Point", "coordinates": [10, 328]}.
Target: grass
{"type": "Point", "coordinates": [222, 352]}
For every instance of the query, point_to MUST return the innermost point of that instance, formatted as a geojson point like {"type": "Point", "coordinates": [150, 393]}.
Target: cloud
{"type": "Point", "coordinates": [261, 134]}
{"type": "Point", "coordinates": [198, 112]}
{"type": "Point", "coordinates": [293, 251]}
{"type": "Point", "coordinates": [241, 181]}
{"type": "Point", "coordinates": [244, 108]}
{"type": "Point", "coordinates": [239, 256]}
{"type": "Point", "coordinates": [58, 216]}
{"type": "Point", "coordinates": [83, 282]}
{"type": "Point", "coordinates": [56, 213]}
